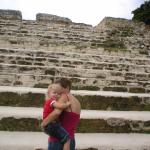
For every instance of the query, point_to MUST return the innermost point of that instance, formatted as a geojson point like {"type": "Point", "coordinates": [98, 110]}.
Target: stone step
{"type": "Point", "coordinates": [33, 112]}
{"type": "Point", "coordinates": [74, 72]}
{"type": "Point", "coordinates": [13, 38]}
{"type": "Point", "coordinates": [92, 121]}
{"type": "Point", "coordinates": [76, 92]}
{"type": "Point", "coordinates": [32, 25]}
{"type": "Point", "coordinates": [78, 83]}
{"type": "Point", "coordinates": [63, 56]}
{"type": "Point", "coordinates": [99, 141]}
{"type": "Point", "coordinates": [72, 63]}
{"type": "Point", "coordinates": [82, 56]}
{"type": "Point", "coordinates": [98, 100]}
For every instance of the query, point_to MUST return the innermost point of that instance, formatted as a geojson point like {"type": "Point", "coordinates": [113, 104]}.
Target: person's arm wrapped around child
{"type": "Point", "coordinates": [60, 105]}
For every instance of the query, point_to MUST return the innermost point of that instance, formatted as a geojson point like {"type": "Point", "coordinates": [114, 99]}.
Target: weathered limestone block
{"type": "Point", "coordinates": [10, 14]}
{"type": "Point", "coordinates": [119, 23]}
{"type": "Point", "coordinates": [52, 18]}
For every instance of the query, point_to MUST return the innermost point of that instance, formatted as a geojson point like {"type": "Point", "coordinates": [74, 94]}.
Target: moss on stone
{"type": "Point", "coordinates": [85, 125]}
{"type": "Point", "coordinates": [113, 103]}
{"type": "Point", "coordinates": [113, 45]}
{"type": "Point", "coordinates": [118, 89]}
{"type": "Point", "coordinates": [13, 62]}
{"type": "Point", "coordinates": [39, 64]}
{"type": "Point", "coordinates": [68, 66]}
{"type": "Point", "coordinates": [44, 43]}
{"type": "Point", "coordinates": [54, 60]}
{"type": "Point", "coordinates": [147, 124]}
{"type": "Point", "coordinates": [50, 72]}
{"type": "Point", "coordinates": [17, 83]}
{"type": "Point", "coordinates": [101, 126]}
{"type": "Point", "coordinates": [13, 41]}
{"type": "Point", "coordinates": [143, 52]}
{"type": "Point", "coordinates": [22, 100]}
{"type": "Point", "coordinates": [75, 80]}
{"type": "Point", "coordinates": [23, 124]}
{"type": "Point", "coordinates": [40, 59]}
{"type": "Point", "coordinates": [92, 88]}
{"type": "Point", "coordinates": [127, 32]}
{"type": "Point", "coordinates": [24, 63]}
{"type": "Point", "coordinates": [136, 90]}
{"type": "Point", "coordinates": [25, 69]}
{"type": "Point", "coordinates": [41, 85]}
{"type": "Point", "coordinates": [28, 58]}
{"type": "Point", "coordinates": [66, 62]}
{"type": "Point", "coordinates": [77, 62]}
{"type": "Point", "coordinates": [123, 32]}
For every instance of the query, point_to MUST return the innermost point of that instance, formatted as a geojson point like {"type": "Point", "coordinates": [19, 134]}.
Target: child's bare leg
{"type": "Point", "coordinates": [67, 145]}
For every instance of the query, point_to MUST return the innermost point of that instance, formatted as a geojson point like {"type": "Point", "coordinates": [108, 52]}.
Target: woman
{"type": "Point", "coordinates": [69, 118]}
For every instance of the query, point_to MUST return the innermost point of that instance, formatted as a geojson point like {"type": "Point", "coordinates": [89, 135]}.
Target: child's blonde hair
{"type": "Point", "coordinates": [52, 86]}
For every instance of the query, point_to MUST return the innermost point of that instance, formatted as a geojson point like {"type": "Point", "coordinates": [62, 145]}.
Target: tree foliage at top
{"type": "Point", "coordinates": [142, 13]}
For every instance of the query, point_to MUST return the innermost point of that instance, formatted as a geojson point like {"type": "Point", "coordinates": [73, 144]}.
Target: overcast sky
{"type": "Point", "coordinates": [81, 11]}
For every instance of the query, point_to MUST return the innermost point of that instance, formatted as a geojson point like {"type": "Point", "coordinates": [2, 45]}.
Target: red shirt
{"type": "Point", "coordinates": [47, 109]}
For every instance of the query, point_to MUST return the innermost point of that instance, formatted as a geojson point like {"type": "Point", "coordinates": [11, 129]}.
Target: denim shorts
{"type": "Point", "coordinates": [58, 146]}
{"type": "Point", "coordinates": [56, 130]}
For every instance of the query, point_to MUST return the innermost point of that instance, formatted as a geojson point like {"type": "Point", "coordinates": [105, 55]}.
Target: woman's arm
{"type": "Point", "coordinates": [60, 105]}
{"type": "Point", "coordinates": [55, 114]}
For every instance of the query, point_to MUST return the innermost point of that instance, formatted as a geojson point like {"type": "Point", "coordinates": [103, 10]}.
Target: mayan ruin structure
{"type": "Point", "coordinates": [108, 64]}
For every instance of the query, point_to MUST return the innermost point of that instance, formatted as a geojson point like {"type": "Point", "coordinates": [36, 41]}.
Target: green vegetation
{"type": "Point", "coordinates": [127, 32]}
{"type": "Point", "coordinates": [113, 45]}
{"type": "Point", "coordinates": [50, 72]}
{"type": "Point", "coordinates": [113, 103]}
{"type": "Point", "coordinates": [23, 124]}
{"type": "Point", "coordinates": [142, 13]}
{"type": "Point", "coordinates": [111, 125]}
{"type": "Point", "coordinates": [94, 102]}
{"type": "Point", "coordinates": [22, 100]}
{"type": "Point", "coordinates": [18, 83]}
{"type": "Point", "coordinates": [41, 85]}
{"type": "Point", "coordinates": [75, 80]}
{"type": "Point", "coordinates": [137, 90]}
{"type": "Point", "coordinates": [24, 62]}
{"type": "Point", "coordinates": [118, 89]}
{"type": "Point", "coordinates": [92, 88]}
{"type": "Point", "coordinates": [123, 32]}
{"type": "Point", "coordinates": [143, 52]}
{"type": "Point", "coordinates": [101, 126]}
{"type": "Point", "coordinates": [70, 66]}
{"type": "Point", "coordinates": [110, 45]}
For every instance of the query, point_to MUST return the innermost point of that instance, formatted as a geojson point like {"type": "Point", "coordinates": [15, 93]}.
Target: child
{"type": "Point", "coordinates": [54, 128]}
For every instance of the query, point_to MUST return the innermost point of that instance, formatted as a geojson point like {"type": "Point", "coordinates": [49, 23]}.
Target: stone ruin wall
{"type": "Point", "coordinates": [135, 36]}
{"type": "Point", "coordinates": [53, 46]}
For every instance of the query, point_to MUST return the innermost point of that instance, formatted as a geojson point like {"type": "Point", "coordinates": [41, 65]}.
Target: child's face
{"type": "Point", "coordinates": [55, 91]}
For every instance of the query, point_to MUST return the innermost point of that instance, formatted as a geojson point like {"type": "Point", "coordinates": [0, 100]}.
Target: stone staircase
{"type": "Point", "coordinates": [103, 123]}
{"type": "Point", "coordinates": [112, 86]}
{"type": "Point", "coordinates": [97, 72]}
